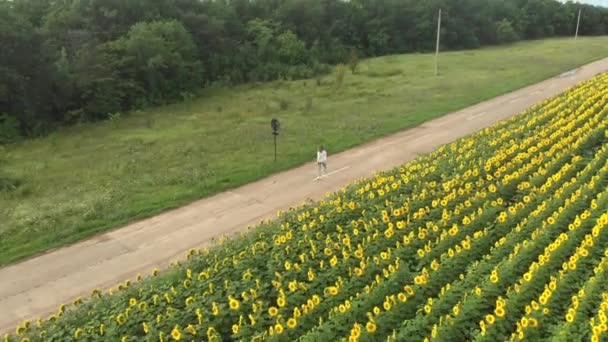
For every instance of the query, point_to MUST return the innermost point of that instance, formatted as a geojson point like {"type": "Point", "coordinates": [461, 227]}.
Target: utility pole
{"type": "Point", "coordinates": [437, 46]}
{"type": "Point", "coordinates": [276, 125]}
{"type": "Point", "coordinates": [578, 22]}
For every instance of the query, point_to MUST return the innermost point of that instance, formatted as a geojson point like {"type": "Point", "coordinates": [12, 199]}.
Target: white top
{"type": "Point", "coordinates": [321, 156]}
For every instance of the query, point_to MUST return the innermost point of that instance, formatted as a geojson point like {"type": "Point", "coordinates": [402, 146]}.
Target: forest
{"type": "Point", "coordinates": [64, 62]}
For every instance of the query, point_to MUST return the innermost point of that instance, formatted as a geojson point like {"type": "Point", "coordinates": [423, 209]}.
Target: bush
{"type": "Point", "coordinates": [505, 33]}
{"type": "Point", "coordinates": [340, 73]}
{"type": "Point", "coordinates": [353, 64]}
{"type": "Point", "coordinates": [9, 129]}
{"type": "Point", "coordinates": [308, 105]}
{"type": "Point", "coordinates": [297, 72]}
{"type": "Point", "coordinates": [7, 183]}
{"type": "Point", "coordinates": [283, 104]}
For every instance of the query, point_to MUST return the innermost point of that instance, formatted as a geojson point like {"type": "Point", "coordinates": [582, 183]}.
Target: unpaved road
{"type": "Point", "coordinates": [38, 286]}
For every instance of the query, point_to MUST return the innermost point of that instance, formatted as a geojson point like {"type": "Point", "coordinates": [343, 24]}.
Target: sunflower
{"type": "Point", "coordinates": [281, 302]}
{"type": "Point", "coordinates": [535, 305]}
{"type": "Point", "coordinates": [408, 289]}
{"type": "Point", "coordinates": [386, 305]}
{"type": "Point", "coordinates": [418, 280]}
{"type": "Point", "coordinates": [176, 334]}
{"type": "Point", "coordinates": [569, 318]}
{"type": "Point", "coordinates": [233, 303]}
{"type": "Point", "coordinates": [145, 327]}
{"type": "Point", "coordinates": [19, 330]}
{"type": "Point", "coordinates": [333, 261]}
{"type": "Point", "coordinates": [189, 301]}
{"type": "Point", "coordinates": [434, 265]}
{"type": "Point", "coordinates": [292, 323]}
{"type": "Point", "coordinates": [278, 328]}
{"type": "Point", "coordinates": [490, 319]}
{"type": "Point", "coordinates": [370, 327]}
{"type": "Point", "coordinates": [273, 311]}
{"type": "Point", "coordinates": [143, 306]}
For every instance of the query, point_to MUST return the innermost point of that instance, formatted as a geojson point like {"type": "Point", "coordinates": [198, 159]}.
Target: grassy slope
{"type": "Point", "coordinates": [90, 178]}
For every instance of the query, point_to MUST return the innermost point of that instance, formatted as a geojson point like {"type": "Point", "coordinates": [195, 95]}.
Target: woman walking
{"type": "Point", "coordinates": [321, 161]}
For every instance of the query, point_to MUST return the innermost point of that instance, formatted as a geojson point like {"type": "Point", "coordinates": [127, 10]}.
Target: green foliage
{"type": "Point", "coordinates": [9, 129]}
{"type": "Point", "coordinates": [7, 183]}
{"type": "Point", "coordinates": [505, 33]}
{"type": "Point", "coordinates": [340, 73]}
{"type": "Point", "coordinates": [161, 58]}
{"type": "Point", "coordinates": [74, 61]}
{"type": "Point", "coordinates": [353, 63]}
{"type": "Point", "coordinates": [308, 105]}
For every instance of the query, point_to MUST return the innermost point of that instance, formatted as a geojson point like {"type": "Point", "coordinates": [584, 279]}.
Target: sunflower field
{"type": "Point", "coordinates": [497, 236]}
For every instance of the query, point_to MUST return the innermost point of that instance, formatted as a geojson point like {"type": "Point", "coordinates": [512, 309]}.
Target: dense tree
{"type": "Point", "coordinates": [505, 33]}
{"type": "Point", "coordinates": [64, 61]}
{"type": "Point", "coordinates": [161, 58]}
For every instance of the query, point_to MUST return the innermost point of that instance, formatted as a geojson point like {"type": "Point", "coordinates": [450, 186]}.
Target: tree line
{"type": "Point", "coordinates": [69, 61]}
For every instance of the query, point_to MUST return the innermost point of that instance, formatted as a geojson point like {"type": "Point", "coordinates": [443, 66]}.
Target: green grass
{"type": "Point", "coordinates": [90, 178]}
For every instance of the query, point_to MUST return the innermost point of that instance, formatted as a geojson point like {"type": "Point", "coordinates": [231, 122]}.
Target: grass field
{"type": "Point", "coordinates": [93, 177]}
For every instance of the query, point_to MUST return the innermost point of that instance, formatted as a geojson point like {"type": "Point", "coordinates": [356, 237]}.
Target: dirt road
{"type": "Point", "coordinates": [38, 286]}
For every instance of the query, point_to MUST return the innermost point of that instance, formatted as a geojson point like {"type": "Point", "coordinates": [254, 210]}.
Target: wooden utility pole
{"type": "Point", "coordinates": [437, 46]}
{"type": "Point", "coordinates": [578, 22]}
